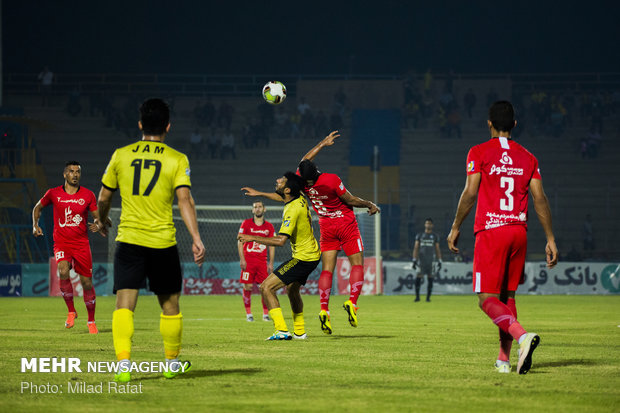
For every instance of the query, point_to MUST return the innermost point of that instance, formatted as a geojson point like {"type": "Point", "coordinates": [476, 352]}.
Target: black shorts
{"type": "Point", "coordinates": [426, 268]}
{"type": "Point", "coordinates": [295, 270]}
{"type": "Point", "coordinates": [134, 264]}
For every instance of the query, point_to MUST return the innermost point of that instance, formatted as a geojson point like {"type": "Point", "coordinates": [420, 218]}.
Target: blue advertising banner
{"type": "Point", "coordinates": [10, 280]}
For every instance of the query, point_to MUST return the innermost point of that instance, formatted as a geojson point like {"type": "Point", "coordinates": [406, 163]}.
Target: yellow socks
{"type": "Point", "coordinates": [171, 329]}
{"type": "Point", "coordinates": [299, 326]}
{"type": "Point", "coordinates": [278, 319]}
{"type": "Point", "coordinates": [122, 332]}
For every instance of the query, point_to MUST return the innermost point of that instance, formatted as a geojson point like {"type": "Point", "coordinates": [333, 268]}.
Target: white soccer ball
{"type": "Point", "coordinates": [274, 92]}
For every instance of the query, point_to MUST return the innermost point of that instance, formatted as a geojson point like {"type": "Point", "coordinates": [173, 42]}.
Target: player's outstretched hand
{"type": "Point", "coordinates": [242, 238]}
{"type": "Point", "coordinates": [37, 231]}
{"type": "Point", "coordinates": [373, 209]}
{"type": "Point", "coordinates": [329, 139]}
{"type": "Point", "coordinates": [198, 249]}
{"type": "Point", "coordinates": [453, 239]}
{"type": "Point", "coordinates": [97, 226]}
{"type": "Point", "coordinates": [250, 191]}
{"type": "Point", "coordinates": [551, 250]}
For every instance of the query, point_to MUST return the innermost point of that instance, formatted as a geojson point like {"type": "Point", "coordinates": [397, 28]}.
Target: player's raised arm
{"type": "Point", "coordinates": [354, 201]}
{"type": "Point", "coordinates": [327, 141]}
{"type": "Point", "coordinates": [188, 213]}
{"type": "Point", "coordinates": [269, 195]}
{"type": "Point", "coordinates": [541, 205]}
{"type": "Point", "coordinates": [36, 214]}
{"type": "Point", "coordinates": [466, 203]}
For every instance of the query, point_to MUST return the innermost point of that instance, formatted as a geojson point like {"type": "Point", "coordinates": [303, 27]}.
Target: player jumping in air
{"type": "Point", "coordinates": [71, 204]}
{"type": "Point", "coordinates": [149, 174]}
{"type": "Point", "coordinates": [499, 174]}
{"type": "Point", "coordinates": [297, 228]}
{"type": "Point", "coordinates": [334, 205]}
{"type": "Point", "coordinates": [253, 257]}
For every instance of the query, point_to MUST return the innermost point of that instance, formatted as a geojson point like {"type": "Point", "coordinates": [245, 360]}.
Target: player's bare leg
{"type": "Point", "coordinates": [268, 290]}
{"type": "Point", "coordinates": [356, 280]}
{"type": "Point", "coordinates": [66, 289]}
{"type": "Point", "coordinates": [247, 301]}
{"type": "Point", "coordinates": [90, 299]}
{"type": "Point", "coordinates": [171, 329]}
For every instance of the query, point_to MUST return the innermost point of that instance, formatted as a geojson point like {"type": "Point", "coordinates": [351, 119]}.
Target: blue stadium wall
{"type": "Point", "coordinates": [379, 128]}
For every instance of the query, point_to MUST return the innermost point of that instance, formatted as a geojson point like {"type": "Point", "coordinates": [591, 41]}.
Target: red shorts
{"type": "Point", "coordinates": [255, 272]}
{"type": "Point", "coordinates": [499, 259]}
{"type": "Point", "coordinates": [78, 256]}
{"type": "Point", "coordinates": [341, 234]}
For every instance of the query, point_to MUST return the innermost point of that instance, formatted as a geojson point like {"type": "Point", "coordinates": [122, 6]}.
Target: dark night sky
{"type": "Point", "coordinates": [262, 37]}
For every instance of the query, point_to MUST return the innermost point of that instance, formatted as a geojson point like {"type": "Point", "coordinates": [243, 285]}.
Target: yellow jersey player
{"type": "Point", "coordinates": [297, 228]}
{"type": "Point", "coordinates": [148, 174]}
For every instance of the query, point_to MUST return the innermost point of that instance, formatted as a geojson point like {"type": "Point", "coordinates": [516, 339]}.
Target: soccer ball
{"type": "Point", "coordinates": [274, 92]}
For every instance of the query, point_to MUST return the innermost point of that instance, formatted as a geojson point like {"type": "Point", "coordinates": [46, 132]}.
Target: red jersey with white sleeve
{"type": "Point", "coordinates": [253, 252]}
{"type": "Point", "coordinates": [70, 214]}
{"type": "Point", "coordinates": [325, 198]}
{"type": "Point", "coordinates": [506, 170]}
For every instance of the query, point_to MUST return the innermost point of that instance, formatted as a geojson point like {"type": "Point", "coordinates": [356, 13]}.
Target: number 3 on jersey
{"type": "Point", "coordinates": [507, 204]}
{"type": "Point", "coordinates": [137, 164]}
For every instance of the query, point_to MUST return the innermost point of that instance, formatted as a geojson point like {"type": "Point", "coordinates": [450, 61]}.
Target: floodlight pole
{"type": "Point", "coordinates": [378, 261]}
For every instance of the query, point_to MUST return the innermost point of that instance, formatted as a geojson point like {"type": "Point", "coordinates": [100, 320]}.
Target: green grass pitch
{"type": "Point", "coordinates": [404, 356]}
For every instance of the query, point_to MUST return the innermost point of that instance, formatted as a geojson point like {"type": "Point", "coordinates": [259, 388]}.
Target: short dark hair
{"type": "Point", "coordinates": [429, 219]}
{"type": "Point", "coordinates": [258, 201]}
{"type": "Point", "coordinates": [154, 116]}
{"type": "Point", "coordinates": [69, 163]}
{"type": "Point", "coordinates": [502, 116]}
{"type": "Point", "coordinates": [294, 182]}
{"type": "Point", "coordinates": [308, 170]}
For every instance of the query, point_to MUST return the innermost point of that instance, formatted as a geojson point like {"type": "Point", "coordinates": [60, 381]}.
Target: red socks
{"type": "Point", "coordinates": [356, 279]}
{"type": "Point", "coordinates": [325, 289]}
{"type": "Point", "coordinates": [67, 293]}
{"type": "Point", "coordinates": [247, 301]}
{"type": "Point", "coordinates": [505, 339]}
{"type": "Point", "coordinates": [89, 300]}
{"type": "Point", "coordinates": [503, 317]}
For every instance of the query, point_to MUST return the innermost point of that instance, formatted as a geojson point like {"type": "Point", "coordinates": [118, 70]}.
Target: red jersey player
{"type": "Point", "coordinates": [334, 205]}
{"type": "Point", "coordinates": [71, 247]}
{"type": "Point", "coordinates": [253, 256]}
{"type": "Point", "coordinates": [500, 172]}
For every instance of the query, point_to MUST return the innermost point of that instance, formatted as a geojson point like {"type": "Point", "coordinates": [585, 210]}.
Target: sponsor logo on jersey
{"type": "Point", "coordinates": [263, 232]}
{"type": "Point", "coordinates": [505, 159]}
{"type": "Point", "coordinates": [506, 170]}
{"type": "Point", "coordinates": [72, 201]}
{"type": "Point", "coordinates": [497, 220]}
{"type": "Point", "coordinates": [187, 171]}
{"type": "Point", "coordinates": [286, 223]}
{"type": "Point", "coordinates": [470, 166]}
{"type": "Point", "coordinates": [70, 219]}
